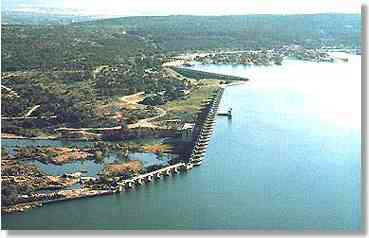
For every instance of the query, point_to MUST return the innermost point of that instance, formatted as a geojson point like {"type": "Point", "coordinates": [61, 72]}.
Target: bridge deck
{"type": "Point", "coordinates": [142, 176]}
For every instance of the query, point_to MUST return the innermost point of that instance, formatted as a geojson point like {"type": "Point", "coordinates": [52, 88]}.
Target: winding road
{"type": "Point", "coordinates": [147, 121]}
{"type": "Point", "coordinates": [32, 110]}
{"type": "Point", "coordinates": [131, 100]}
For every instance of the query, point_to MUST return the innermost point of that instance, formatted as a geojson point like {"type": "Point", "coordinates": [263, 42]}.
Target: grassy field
{"type": "Point", "coordinates": [185, 109]}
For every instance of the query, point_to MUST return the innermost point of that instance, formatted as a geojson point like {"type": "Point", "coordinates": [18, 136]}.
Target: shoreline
{"type": "Point", "coordinates": [260, 57]}
{"type": "Point", "coordinates": [123, 185]}
{"type": "Point", "coordinates": [88, 192]}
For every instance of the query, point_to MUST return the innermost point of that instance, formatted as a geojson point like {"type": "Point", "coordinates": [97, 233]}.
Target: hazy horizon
{"type": "Point", "coordinates": [113, 8]}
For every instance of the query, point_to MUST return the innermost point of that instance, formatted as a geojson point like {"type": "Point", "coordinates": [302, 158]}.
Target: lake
{"type": "Point", "coordinates": [290, 158]}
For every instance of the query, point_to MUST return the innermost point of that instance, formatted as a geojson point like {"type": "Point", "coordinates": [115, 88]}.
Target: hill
{"type": "Point", "coordinates": [85, 45]}
{"type": "Point", "coordinates": [250, 31]}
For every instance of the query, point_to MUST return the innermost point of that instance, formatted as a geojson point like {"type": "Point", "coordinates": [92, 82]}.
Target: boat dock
{"type": "Point", "coordinates": [227, 114]}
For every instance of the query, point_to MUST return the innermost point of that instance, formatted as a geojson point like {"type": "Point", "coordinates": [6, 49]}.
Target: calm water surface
{"type": "Point", "coordinates": [288, 159]}
{"type": "Point", "coordinates": [91, 166]}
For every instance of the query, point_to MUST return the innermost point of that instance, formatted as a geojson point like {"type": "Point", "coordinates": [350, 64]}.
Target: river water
{"type": "Point", "coordinates": [290, 158]}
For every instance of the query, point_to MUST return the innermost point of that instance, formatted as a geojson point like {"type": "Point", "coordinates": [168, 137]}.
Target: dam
{"type": "Point", "coordinates": [204, 127]}
{"type": "Point", "coordinates": [197, 74]}
{"type": "Point", "coordinates": [201, 134]}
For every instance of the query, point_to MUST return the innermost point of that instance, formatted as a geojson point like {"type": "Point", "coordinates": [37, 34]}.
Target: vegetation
{"type": "Point", "coordinates": [66, 47]}
{"type": "Point", "coordinates": [78, 98]}
{"type": "Point", "coordinates": [66, 96]}
{"type": "Point", "coordinates": [72, 71]}
{"type": "Point", "coordinates": [123, 169]}
{"type": "Point", "coordinates": [9, 190]}
{"type": "Point", "coordinates": [111, 41]}
{"type": "Point", "coordinates": [185, 108]}
{"type": "Point", "coordinates": [9, 194]}
{"type": "Point", "coordinates": [133, 77]}
{"type": "Point", "coordinates": [251, 31]}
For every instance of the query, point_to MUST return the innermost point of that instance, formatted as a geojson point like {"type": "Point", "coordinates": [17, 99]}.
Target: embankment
{"type": "Point", "coordinates": [196, 74]}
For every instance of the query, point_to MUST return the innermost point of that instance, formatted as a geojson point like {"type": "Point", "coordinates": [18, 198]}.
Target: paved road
{"type": "Point", "coordinates": [147, 121]}
{"type": "Point", "coordinates": [32, 110]}
{"type": "Point", "coordinates": [10, 91]}
{"type": "Point", "coordinates": [141, 123]}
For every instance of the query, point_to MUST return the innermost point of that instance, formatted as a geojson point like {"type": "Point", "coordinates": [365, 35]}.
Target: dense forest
{"type": "Point", "coordinates": [68, 96]}
{"type": "Point", "coordinates": [69, 47]}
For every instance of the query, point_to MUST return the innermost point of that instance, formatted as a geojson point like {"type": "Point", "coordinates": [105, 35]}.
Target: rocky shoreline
{"type": "Point", "coordinates": [24, 186]}
{"type": "Point", "coordinates": [64, 195]}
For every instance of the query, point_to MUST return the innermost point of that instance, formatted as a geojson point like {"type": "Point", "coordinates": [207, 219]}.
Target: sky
{"type": "Point", "coordinates": [187, 7]}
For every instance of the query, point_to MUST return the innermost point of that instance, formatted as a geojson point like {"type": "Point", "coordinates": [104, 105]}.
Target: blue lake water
{"type": "Point", "coordinates": [290, 158]}
{"type": "Point", "coordinates": [91, 166]}
{"type": "Point", "coordinates": [94, 168]}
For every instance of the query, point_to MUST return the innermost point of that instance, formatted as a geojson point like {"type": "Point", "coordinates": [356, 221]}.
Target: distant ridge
{"type": "Point", "coordinates": [180, 32]}
{"type": "Point", "coordinates": [85, 45]}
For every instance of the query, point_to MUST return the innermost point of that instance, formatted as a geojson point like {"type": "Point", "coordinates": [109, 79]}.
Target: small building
{"type": "Point", "coordinates": [186, 131]}
{"type": "Point", "coordinates": [183, 92]}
